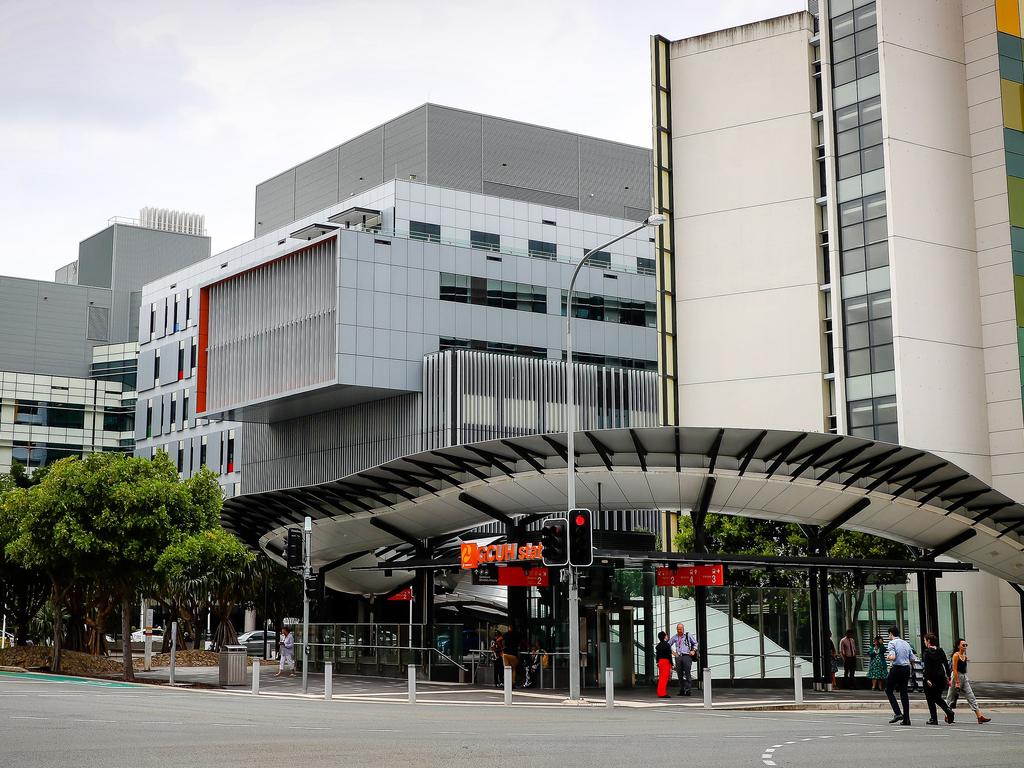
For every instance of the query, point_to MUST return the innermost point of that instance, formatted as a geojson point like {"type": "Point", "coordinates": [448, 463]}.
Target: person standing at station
{"type": "Point", "coordinates": [848, 650]}
{"type": "Point", "coordinates": [878, 669]}
{"type": "Point", "coordinates": [899, 655]}
{"type": "Point", "coordinates": [510, 654]}
{"type": "Point", "coordinates": [287, 653]}
{"type": "Point", "coordinates": [498, 649]}
{"type": "Point", "coordinates": [961, 682]}
{"type": "Point", "coordinates": [936, 678]}
{"type": "Point", "coordinates": [663, 653]}
{"type": "Point", "coordinates": [684, 648]}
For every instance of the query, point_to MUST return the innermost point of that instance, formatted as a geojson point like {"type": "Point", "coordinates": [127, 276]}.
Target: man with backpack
{"type": "Point", "coordinates": [684, 648]}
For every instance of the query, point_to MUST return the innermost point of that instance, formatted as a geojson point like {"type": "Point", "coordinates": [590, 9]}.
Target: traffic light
{"type": "Point", "coordinates": [315, 587]}
{"type": "Point", "coordinates": [554, 538]}
{"type": "Point", "coordinates": [581, 538]}
{"type": "Point", "coordinates": [293, 548]}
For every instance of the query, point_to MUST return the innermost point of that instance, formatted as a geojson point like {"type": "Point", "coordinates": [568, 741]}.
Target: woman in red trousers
{"type": "Point", "coordinates": [663, 653]}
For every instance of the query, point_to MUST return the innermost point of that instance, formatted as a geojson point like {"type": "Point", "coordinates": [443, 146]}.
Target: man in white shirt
{"type": "Point", "coordinates": [684, 649]}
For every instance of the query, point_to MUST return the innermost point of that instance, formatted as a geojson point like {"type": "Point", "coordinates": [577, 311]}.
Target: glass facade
{"type": "Point", "coordinates": [612, 309]}
{"type": "Point", "coordinates": [487, 292]}
{"type": "Point", "coordinates": [863, 230]}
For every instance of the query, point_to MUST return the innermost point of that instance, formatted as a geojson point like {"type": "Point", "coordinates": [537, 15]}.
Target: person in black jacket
{"type": "Point", "coordinates": [663, 653]}
{"type": "Point", "coordinates": [936, 678]}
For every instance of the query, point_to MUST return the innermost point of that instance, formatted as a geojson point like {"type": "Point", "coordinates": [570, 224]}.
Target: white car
{"type": "Point", "coordinates": [139, 635]}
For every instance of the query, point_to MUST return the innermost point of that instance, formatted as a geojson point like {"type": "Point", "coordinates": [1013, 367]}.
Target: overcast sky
{"type": "Point", "coordinates": [109, 106]}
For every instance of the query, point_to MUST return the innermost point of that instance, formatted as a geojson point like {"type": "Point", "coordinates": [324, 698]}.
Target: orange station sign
{"type": "Point", "coordinates": [472, 554]}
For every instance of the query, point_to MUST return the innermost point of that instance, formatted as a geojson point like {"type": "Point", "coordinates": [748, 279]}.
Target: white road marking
{"type": "Point", "coordinates": [27, 717]}
{"type": "Point", "coordinates": [85, 720]}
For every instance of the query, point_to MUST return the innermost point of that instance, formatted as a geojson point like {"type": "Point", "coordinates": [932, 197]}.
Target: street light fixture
{"type": "Point", "coordinates": [654, 220]}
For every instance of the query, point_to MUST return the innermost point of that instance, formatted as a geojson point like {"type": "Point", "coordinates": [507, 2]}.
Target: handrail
{"type": "Point", "coordinates": [440, 653]}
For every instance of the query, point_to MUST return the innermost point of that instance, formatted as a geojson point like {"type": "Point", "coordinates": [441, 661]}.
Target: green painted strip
{"type": "Point", "coordinates": [45, 677]}
{"type": "Point", "coordinates": [1011, 69]}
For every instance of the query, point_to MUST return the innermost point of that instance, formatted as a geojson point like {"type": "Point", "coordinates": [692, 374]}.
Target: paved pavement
{"type": "Point", "coordinates": [360, 688]}
{"type": "Point", "coordinates": [48, 721]}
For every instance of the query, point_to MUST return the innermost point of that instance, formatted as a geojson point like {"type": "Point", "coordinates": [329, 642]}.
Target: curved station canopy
{"type": "Point", "coordinates": [832, 481]}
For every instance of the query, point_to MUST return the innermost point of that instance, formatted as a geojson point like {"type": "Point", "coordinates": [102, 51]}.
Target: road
{"type": "Point", "coordinates": [46, 723]}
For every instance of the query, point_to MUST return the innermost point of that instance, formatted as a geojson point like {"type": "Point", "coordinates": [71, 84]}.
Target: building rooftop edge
{"type": "Point", "coordinates": [743, 33]}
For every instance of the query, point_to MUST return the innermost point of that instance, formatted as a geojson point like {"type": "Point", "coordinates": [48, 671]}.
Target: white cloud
{"type": "Point", "coordinates": [106, 107]}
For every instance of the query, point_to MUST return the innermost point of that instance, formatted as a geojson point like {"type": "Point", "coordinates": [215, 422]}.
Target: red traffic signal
{"type": "Point", "coordinates": [581, 538]}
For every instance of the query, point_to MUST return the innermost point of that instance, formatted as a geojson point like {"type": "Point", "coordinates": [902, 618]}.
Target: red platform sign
{"type": "Point", "coordinates": [405, 594]}
{"type": "Point", "coordinates": [523, 577]}
{"type": "Point", "coordinates": [690, 576]}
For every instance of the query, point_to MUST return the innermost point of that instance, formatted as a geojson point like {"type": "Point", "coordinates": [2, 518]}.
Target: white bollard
{"type": "Point", "coordinates": [328, 680]}
{"type": "Point", "coordinates": [707, 688]}
{"type": "Point", "coordinates": [508, 685]}
{"type": "Point", "coordinates": [147, 661]}
{"type": "Point", "coordinates": [798, 682]}
{"type": "Point", "coordinates": [255, 677]}
{"type": "Point", "coordinates": [609, 687]}
{"type": "Point", "coordinates": [174, 651]}
{"type": "Point", "coordinates": [412, 683]}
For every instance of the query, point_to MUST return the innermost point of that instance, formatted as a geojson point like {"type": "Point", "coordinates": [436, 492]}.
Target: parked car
{"type": "Point", "coordinates": [253, 641]}
{"type": "Point", "coordinates": [139, 635]}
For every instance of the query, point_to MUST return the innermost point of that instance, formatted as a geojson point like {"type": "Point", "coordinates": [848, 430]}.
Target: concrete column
{"type": "Point", "coordinates": [249, 623]}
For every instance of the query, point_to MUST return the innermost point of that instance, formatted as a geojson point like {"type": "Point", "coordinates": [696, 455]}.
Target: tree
{"type": "Point", "coordinates": [102, 522]}
{"type": "Point", "coordinates": [213, 569]}
{"type": "Point", "coordinates": [24, 590]}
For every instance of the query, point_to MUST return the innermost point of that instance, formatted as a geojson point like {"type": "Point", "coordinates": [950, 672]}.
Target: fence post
{"type": "Point", "coordinates": [609, 687]}
{"type": "Point", "coordinates": [412, 683]}
{"type": "Point", "coordinates": [798, 682]}
{"type": "Point", "coordinates": [508, 685]}
{"type": "Point", "coordinates": [256, 677]}
{"type": "Point", "coordinates": [174, 651]}
{"type": "Point", "coordinates": [328, 680]}
{"type": "Point", "coordinates": [707, 688]}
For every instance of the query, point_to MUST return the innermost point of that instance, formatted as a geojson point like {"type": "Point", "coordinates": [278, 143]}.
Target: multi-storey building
{"type": "Point", "coordinates": [844, 255]}
{"type": "Point", "coordinates": [321, 347]}
{"type": "Point", "coordinates": [68, 358]}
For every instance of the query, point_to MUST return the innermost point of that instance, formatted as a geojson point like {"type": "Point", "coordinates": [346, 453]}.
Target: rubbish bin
{"type": "Point", "coordinates": [232, 665]}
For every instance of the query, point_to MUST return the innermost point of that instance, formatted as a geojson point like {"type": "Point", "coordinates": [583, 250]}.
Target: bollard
{"type": "Point", "coordinates": [412, 683]}
{"type": "Point", "coordinates": [707, 688]}
{"type": "Point", "coordinates": [174, 651]}
{"type": "Point", "coordinates": [609, 687]}
{"type": "Point", "coordinates": [147, 658]}
{"type": "Point", "coordinates": [328, 680]}
{"type": "Point", "coordinates": [255, 677]}
{"type": "Point", "coordinates": [798, 682]}
{"type": "Point", "coordinates": [508, 685]}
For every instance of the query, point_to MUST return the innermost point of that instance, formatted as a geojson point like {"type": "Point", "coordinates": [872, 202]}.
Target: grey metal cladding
{"type": "Point", "coordinates": [144, 255]}
{"type": "Point", "coordinates": [145, 371]}
{"type": "Point", "coordinates": [361, 163]}
{"type": "Point", "coordinates": [96, 259]}
{"type": "Point", "coordinates": [273, 329]}
{"type": "Point", "coordinates": [141, 405]}
{"type": "Point", "coordinates": [45, 326]}
{"type": "Point", "coordinates": [134, 308]}
{"type": "Point", "coordinates": [613, 176]}
{"type": "Point", "coordinates": [530, 195]}
{"type": "Point", "coordinates": [275, 202]}
{"type": "Point", "coordinates": [530, 157]}
{"type": "Point", "coordinates": [169, 363]}
{"type": "Point", "coordinates": [454, 148]}
{"type": "Point", "coordinates": [316, 184]}
{"type": "Point", "coordinates": [405, 146]}
{"type": "Point", "coordinates": [99, 324]}
{"type": "Point", "coordinates": [329, 445]}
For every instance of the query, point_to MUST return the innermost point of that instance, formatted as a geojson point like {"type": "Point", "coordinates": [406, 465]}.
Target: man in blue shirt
{"type": "Point", "coordinates": [684, 648]}
{"type": "Point", "coordinates": [899, 653]}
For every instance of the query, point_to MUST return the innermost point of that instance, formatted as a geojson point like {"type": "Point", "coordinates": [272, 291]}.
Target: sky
{"type": "Point", "coordinates": [109, 106]}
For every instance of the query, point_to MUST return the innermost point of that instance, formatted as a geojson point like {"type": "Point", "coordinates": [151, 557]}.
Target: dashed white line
{"type": "Point", "coordinates": [27, 717]}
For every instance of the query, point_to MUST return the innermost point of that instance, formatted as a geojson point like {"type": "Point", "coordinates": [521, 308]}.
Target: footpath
{"type": "Point", "coordinates": [383, 690]}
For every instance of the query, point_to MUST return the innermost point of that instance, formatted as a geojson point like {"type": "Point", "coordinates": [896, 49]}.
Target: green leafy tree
{"type": "Point", "coordinates": [23, 591]}
{"type": "Point", "coordinates": [102, 522]}
{"type": "Point", "coordinates": [213, 569]}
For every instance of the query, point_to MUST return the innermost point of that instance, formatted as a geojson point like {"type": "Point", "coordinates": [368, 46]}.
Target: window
{"type": "Point", "coordinates": [29, 412]}
{"type": "Point", "coordinates": [176, 328]}
{"type": "Point", "coordinates": [192, 361]}
{"type": "Point", "coordinates": [599, 259]}
{"type": "Point", "coordinates": [614, 362]}
{"type": "Point", "coordinates": [117, 420]}
{"type": "Point", "coordinates": [47, 414]}
{"type": "Point", "coordinates": [174, 410]}
{"type": "Point", "coordinates": [156, 367]}
{"type": "Point", "coordinates": [181, 457]}
{"type": "Point", "coordinates": [188, 306]}
{"type": "Point", "coordinates": [540, 249]}
{"type": "Point", "coordinates": [231, 451]}
{"type": "Point", "coordinates": [149, 419]}
{"type": "Point", "coordinates": [181, 360]}
{"type": "Point", "coordinates": [184, 407]}
{"type": "Point", "coordinates": [484, 241]}
{"type": "Point", "coordinates": [505, 294]}
{"type": "Point", "coordinates": [611, 309]}
{"type": "Point", "coordinates": [202, 453]}
{"type": "Point", "coordinates": [644, 266]}
{"type": "Point", "coordinates": [420, 230]}
{"type": "Point", "coordinates": [494, 346]}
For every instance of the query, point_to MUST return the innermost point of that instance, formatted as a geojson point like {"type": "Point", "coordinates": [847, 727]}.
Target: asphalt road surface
{"type": "Point", "coordinates": [46, 723]}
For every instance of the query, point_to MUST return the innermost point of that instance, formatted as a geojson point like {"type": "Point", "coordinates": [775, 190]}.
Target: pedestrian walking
{"type": "Point", "coordinates": [961, 682]}
{"type": "Point", "coordinates": [878, 669]}
{"type": "Point", "coordinates": [900, 655]}
{"type": "Point", "coordinates": [684, 649]}
{"type": "Point", "coordinates": [663, 653]}
{"type": "Point", "coordinates": [287, 652]}
{"type": "Point", "coordinates": [936, 678]}
{"type": "Point", "coordinates": [498, 649]}
{"type": "Point", "coordinates": [848, 651]}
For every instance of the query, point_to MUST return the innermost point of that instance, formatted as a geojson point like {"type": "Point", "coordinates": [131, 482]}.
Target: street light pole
{"type": "Point", "coordinates": [655, 220]}
{"type": "Point", "coordinates": [307, 564]}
